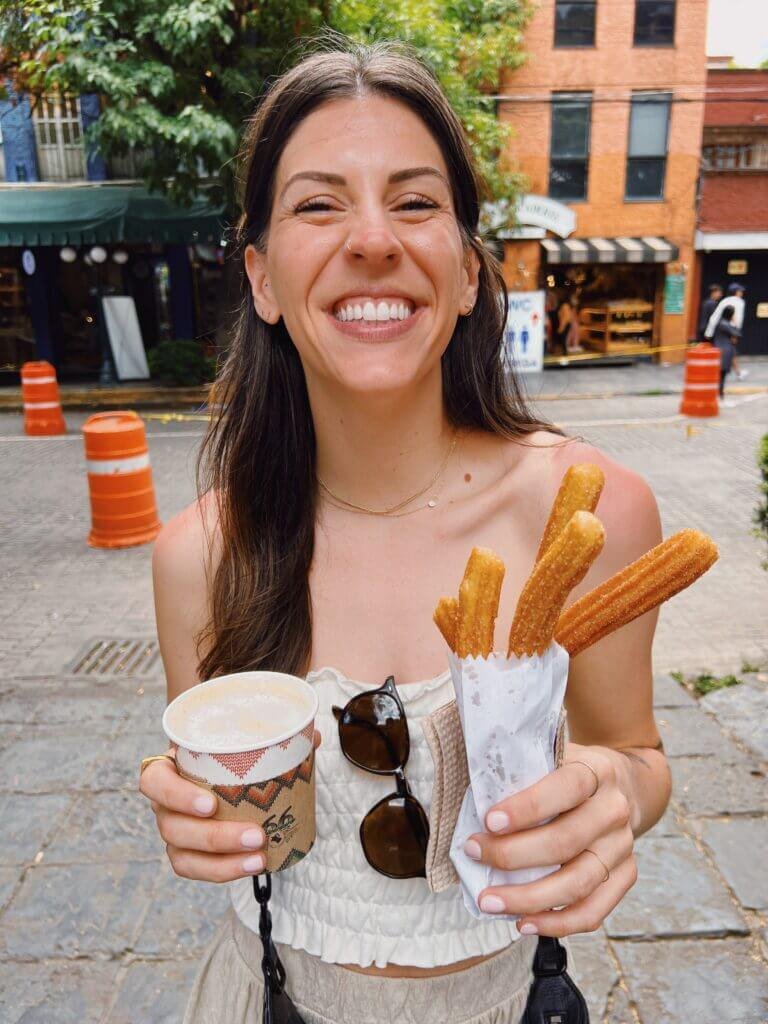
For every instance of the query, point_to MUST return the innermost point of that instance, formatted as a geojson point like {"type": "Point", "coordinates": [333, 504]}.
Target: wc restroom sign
{"type": "Point", "coordinates": [524, 332]}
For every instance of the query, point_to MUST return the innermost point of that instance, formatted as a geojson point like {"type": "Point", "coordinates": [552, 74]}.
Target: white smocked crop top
{"type": "Point", "coordinates": [333, 904]}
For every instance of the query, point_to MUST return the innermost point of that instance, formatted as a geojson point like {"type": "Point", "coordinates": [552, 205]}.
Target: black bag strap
{"type": "Point", "coordinates": [554, 997]}
{"type": "Point", "coordinates": [277, 1007]}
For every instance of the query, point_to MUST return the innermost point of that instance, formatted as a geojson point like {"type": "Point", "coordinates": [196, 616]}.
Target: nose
{"type": "Point", "coordinates": [371, 238]}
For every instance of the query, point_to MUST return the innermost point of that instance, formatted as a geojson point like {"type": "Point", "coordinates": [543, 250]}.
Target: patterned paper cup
{"type": "Point", "coordinates": [272, 783]}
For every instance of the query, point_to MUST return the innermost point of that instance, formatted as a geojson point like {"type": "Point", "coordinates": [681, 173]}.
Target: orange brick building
{"type": "Point", "coordinates": [607, 116]}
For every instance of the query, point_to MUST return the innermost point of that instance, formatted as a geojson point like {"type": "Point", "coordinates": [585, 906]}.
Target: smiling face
{"type": "Point", "coordinates": [364, 259]}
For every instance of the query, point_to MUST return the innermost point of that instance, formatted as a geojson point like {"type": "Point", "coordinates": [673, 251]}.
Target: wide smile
{"type": "Point", "coordinates": [374, 321]}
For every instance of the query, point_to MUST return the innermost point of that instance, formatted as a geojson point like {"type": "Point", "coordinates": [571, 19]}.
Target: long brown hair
{"type": "Point", "coordinates": [258, 457]}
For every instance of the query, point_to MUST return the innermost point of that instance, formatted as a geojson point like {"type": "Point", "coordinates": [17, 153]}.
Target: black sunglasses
{"type": "Point", "coordinates": [373, 734]}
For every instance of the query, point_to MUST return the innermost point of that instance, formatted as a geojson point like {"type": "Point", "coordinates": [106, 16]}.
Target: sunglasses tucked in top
{"type": "Point", "coordinates": [373, 734]}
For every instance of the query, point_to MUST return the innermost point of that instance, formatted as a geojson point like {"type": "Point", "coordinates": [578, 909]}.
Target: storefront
{"type": "Point", "coordinates": [734, 257]}
{"type": "Point", "coordinates": [64, 248]}
{"type": "Point", "coordinates": [626, 295]}
{"type": "Point", "coordinates": [617, 288]}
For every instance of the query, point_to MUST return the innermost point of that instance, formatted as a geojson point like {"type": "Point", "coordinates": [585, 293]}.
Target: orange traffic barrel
{"type": "Point", "coordinates": [702, 381]}
{"type": "Point", "coordinates": [42, 405]}
{"type": "Point", "coordinates": [123, 509]}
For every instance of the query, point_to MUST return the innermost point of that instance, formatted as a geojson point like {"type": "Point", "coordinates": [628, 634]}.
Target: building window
{"type": "Point", "coordinates": [654, 22]}
{"type": "Point", "coordinates": [647, 153]}
{"type": "Point", "coordinates": [569, 148]}
{"type": "Point", "coordinates": [60, 150]}
{"type": "Point", "coordinates": [746, 156]}
{"type": "Point", "coordinates": [575, 23]}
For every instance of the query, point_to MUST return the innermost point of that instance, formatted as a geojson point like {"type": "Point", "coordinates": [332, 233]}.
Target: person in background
{"type": "Point", "coordinates": [708, 307]}
{"type": "Point", "coordinates": [573, 333]}
{"type": "Point", "coordinates": [568, 325]}
{"type": "Point", "coordinates": [725, 338]}
{"type": "Point", "coordinates": [734, 300]}
{"type": "Point", "coordinates": [550, 309]}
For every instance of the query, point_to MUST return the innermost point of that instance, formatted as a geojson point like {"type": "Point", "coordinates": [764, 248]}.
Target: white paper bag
{"type": "Point", "coordinates": [509, 710]}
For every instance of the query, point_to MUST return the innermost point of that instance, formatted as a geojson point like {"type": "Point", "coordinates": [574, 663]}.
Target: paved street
{"type": "Point", "coordinates": [95, 929]}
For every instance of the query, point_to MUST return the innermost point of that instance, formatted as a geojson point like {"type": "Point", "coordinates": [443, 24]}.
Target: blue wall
{"type": "Point", "coordinates": [18, 139]}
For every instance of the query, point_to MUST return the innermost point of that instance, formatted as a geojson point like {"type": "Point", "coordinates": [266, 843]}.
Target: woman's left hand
{"type": "Point", "coordinates": [590, 836]}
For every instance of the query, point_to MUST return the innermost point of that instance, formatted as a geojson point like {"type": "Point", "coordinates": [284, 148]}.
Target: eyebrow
{"type": "Point", "coordinates": [337, 179]}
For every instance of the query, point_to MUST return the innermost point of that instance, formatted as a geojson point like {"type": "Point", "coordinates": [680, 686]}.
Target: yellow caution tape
{"type": "Point", "coordinates": [586, 356]}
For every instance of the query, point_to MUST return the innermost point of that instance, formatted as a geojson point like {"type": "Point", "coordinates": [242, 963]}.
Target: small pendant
{"type": "Point", "coordinates": [431, 503]}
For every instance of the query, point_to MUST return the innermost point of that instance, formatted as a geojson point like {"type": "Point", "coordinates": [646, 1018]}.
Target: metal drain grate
{"type": "Point", "coordinates": [116, 656]}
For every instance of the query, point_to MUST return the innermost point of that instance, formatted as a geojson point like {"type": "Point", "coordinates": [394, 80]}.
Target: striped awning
{"type": "Point", "coordinates": [650, 249]}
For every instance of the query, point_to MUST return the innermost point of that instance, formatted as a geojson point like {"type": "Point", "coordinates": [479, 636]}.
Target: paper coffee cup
{"type": "Point", "coordinates": [248, 738]}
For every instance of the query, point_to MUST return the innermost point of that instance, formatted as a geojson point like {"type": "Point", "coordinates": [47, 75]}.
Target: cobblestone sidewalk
{"type": "Point", "coordinates": [94, 927]}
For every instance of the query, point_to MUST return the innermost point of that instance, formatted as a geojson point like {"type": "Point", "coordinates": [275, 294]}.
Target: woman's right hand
{"type": "Point", "coordinates": [197, 846]}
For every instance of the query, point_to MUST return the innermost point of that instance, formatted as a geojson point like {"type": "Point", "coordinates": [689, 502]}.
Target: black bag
{"type": "Point", "coordinates": [277, 1007]}
{"type": "Point", "coordinates": [554, 997]}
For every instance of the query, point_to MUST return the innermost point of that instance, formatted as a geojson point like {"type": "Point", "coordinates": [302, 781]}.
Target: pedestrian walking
{"type": "Point", "coordinates": [733, 300]}
{"type": "Point", "coordinates": [726, 338]}
{"type": "Point", "coordinates": [568, 325]}
{"type": "Point", "coordinates": [708, 306]}
{"type": "Point", "coordinates": [367, 434]}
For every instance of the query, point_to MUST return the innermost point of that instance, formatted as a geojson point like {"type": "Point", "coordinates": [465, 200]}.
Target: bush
{"type": "Point", "coordinates": [761, 512]}
{"type": "Point", "coordinates": [180, 363]}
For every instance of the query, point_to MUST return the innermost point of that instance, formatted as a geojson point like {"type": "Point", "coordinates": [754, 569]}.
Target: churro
{"type": "Point", "coordinates": [564, 565]}
{"type": "Point", "coordinates": [444, 616]}
{"type": "Point", "coordinates": [478, 603]}
{"type": "Point", "coordinates": [579, 491]}
{"type": "Point", "coordinates": [655, 577]}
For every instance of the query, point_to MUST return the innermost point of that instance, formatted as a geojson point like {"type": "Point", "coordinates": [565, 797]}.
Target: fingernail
{"type": "Point", "coordinates": [204, 804]}
{"type": "Point", "coordinates": [253, 838]}
{"type": "Point", "coordinates": [496, 821]}
{"type": "Point", "coordinates": [528, 929]}
{"type": "Point", "coordinates": [472, 849]}
{"type": "Point", "coordinates": [253, 864]}
{"type": "Point", "coordinates": [491, 905]}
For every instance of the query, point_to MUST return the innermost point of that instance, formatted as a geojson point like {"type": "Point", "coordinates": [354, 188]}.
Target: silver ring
{"type": "Point", "coordinates": [597, 779]}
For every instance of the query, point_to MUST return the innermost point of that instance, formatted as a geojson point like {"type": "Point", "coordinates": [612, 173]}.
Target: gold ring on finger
{"type": "Point", "coordinates": [594, 772]}
{"type": "Point", "coordinates": [604, 867]}
{"type": "Point", "coordinates": [147, 761]}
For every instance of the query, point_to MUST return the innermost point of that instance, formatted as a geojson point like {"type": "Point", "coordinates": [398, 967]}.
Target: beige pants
{"type": "Point", "coordinates": [228, 987]}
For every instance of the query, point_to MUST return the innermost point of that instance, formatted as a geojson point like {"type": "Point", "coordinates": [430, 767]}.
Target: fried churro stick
{"type": "Point", "coordinates": [564, 565]}
{"type": "Point", "coordinates": [478, 603]}
{"type": "Point", "coordinates": [655, 577]}
{"type": "Point", "coordinates": [580, 490]}
{"type": "Point", "coordinates": [445, 616]}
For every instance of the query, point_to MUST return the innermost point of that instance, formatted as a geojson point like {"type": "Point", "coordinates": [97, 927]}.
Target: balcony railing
{"type": "Point", "coordinates": [748, 156]}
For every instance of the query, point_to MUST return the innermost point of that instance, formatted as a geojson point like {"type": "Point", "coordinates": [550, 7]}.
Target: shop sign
{"type": "Point", "coordinates": [500, 220]}
{"type": "Point", "coordinates": [762, 310]}
{"type": "Point", "coordinates": [737, 267]}
{"type": "Point", "coordinates": [543, 212]}
{"type": "Point", "coordinates": [524, 333]}
{"type": "Point", "coordinates": [674, 293]}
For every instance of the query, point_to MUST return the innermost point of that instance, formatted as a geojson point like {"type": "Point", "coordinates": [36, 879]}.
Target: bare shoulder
{"type": "Point", "coordinates": [188, 543]}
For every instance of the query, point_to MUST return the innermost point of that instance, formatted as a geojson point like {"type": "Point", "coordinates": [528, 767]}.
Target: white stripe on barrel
{"type": "Point", "coordinates": [702, 387]}
{"type": "Point", "coordinates": [107, 467]}
{"type": "Point", "coordinates": [41, 405]}
{"type": "Point", "coordinates": [31, 381]}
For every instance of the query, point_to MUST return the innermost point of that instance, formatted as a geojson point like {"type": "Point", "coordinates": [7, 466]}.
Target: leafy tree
{"type": "Point", "coordinates": [177, 78]}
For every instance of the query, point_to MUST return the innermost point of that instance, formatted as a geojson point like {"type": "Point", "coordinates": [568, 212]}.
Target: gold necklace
{"type": "Point", "coordinates": [395, 510]}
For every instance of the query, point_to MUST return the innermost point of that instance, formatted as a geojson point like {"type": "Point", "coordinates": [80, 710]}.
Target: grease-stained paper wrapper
{"type": "Point", "coordinates": [509, 710]}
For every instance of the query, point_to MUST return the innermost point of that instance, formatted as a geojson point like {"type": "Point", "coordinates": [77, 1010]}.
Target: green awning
{"type": "Point", "coordinates": [87, 214]}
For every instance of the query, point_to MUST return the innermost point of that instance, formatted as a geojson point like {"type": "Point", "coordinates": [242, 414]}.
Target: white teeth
{"type": "Point", "coordinates": [373, 312]}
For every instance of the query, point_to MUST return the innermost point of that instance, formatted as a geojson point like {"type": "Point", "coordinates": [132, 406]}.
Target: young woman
{"type": "Point", "coordinates": [367, 439]}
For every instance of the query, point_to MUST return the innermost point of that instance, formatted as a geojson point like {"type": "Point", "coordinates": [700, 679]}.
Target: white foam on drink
{"type": "Point", "coordinates": [239, 719]}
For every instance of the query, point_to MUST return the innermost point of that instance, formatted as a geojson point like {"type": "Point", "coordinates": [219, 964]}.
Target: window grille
{"type": "Point", "coordinates": [59, 135]}
{"type": "Point", "coordinates": [746, 156]}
